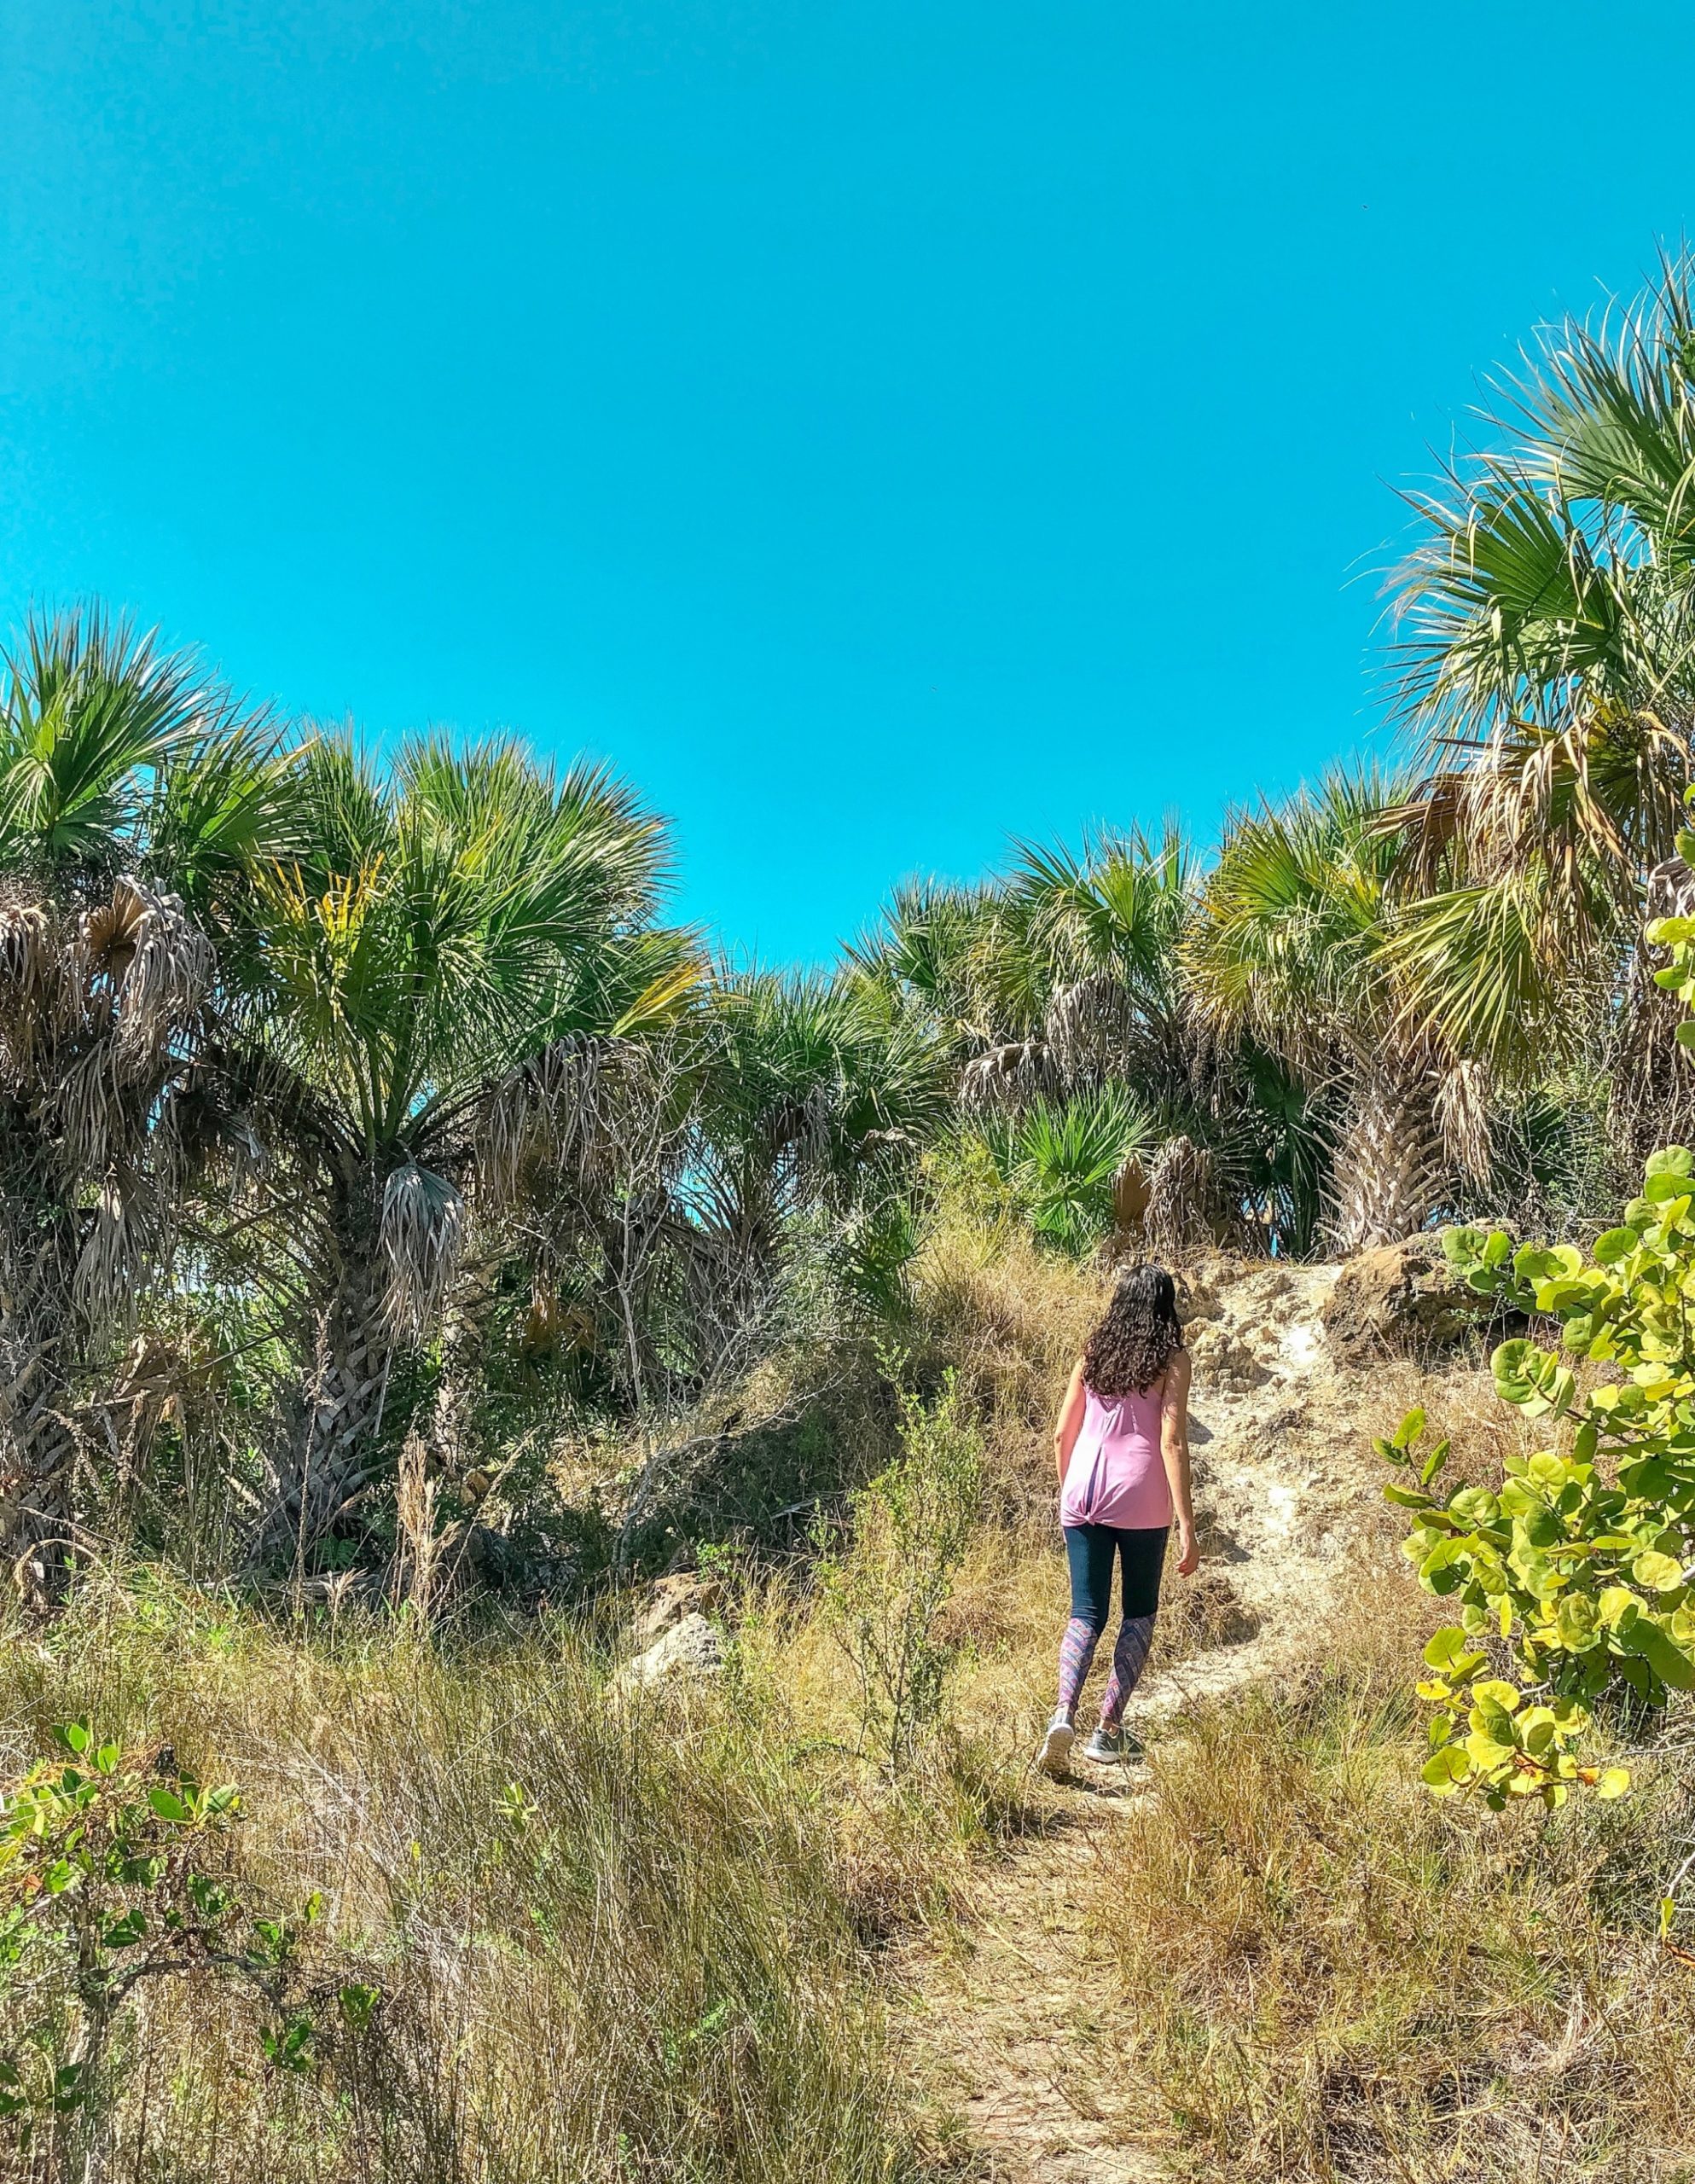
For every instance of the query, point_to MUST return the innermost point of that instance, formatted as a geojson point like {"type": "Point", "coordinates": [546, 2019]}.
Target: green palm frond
{"type": "Point", "coordinates": [827, 1067]}
{"type": "Point", "coordinates": [1472, 965]}
{"type": "Point", "coordinates": [1059, 1161]}
{"type": "Point", "coordinates": [1118, 907]}
{"type": "Point", "coordinates": [959, 956]}
{"type": "Point", "coordinates": [89, 710]}
{"type": "Point", "coordinates": [1608, 410]}
{"type": "Point", "coordinates": [453, 915]}
{"type": "Point", "coordinates": [225, 804]}
{"type": "Point", "coordinates": [1548, 608]}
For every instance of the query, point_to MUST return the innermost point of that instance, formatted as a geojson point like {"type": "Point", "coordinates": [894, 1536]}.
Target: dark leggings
{"type": "Point", "coordinates": [1092, 1550]}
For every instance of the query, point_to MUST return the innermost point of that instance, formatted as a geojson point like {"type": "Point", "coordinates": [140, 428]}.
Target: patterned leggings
{"type": "Point", "coordinates": [1093, 1550]}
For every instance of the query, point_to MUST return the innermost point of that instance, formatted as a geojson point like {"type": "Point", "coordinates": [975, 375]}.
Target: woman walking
{"type": "Point", "coordinates": [1122, 1444]}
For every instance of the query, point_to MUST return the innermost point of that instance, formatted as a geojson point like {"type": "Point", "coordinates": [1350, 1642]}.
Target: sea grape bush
{"type": "Point", "coordinates": [1573, 1580]}
{"type": "Point", "coordinates": [115, 1870]}
{"type": "Point", "coordinates": [103, 1883]}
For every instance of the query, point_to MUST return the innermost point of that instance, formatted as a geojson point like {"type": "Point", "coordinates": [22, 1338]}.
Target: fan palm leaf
{"type": "Point", "coordinates": [91, 708]}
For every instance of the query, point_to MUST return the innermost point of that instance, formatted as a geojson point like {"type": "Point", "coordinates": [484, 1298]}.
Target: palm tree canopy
{"type": "Point", "coordinates": [114, 751]}
{"type": "Point", "coordinates": [1119, 907]}
{"type": "Point", "coordinates": [452, 914]}
{"type": "Point", "coordinates": [1286, 942]}
{"type": "Point", "coordinates": [952, 954]}
{"type": "Point", "coordinates": [823, 1069]}
{"type": "Point", "coordinates": [1548, 606]}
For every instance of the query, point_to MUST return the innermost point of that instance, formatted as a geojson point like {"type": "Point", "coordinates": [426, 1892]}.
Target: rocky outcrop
{"type": "Point", "coordinates": [1402, 1299]}
{"type": "Point", "coordinates": [691, 1652]}
{"type": "Point", "coordinates": [672, 1599]}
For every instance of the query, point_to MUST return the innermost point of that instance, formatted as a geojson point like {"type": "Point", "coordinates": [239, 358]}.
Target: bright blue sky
{"type": "Point", "coordinates": [880, 428]}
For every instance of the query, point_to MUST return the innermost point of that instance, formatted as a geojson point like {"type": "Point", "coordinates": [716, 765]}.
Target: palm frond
{"type": "Point", "coordinates": [89, 707]}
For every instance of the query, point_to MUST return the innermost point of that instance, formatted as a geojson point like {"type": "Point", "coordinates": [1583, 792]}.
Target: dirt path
{"type": "Point", "coordinates": [1013, 2016]}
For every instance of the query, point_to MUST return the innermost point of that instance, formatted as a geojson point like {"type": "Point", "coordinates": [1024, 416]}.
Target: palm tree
{"type": "Point", "coordinates": [460, 938]}
{"type": "Point", "coordinates": [1548, 665]}
{"type": "Point", "coordinates": [1551, 648]}
{"type": "Point", "coordinates": [818, 1092]}
{"type": "Point", "coordinates": [1106, 925]}
{"type": "Point", "coordinates": [132, 792]}
{"type": "Point", "coordinates": [954, 959]}
{"type": "Point", "coordinates": [1059, 977]}
{"type": "Point", "coordinates": [1293, 946]}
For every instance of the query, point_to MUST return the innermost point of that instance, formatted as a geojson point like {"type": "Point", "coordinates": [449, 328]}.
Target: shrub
{"type": "Point", "coordinates": [1575, 1575]}
{"type": "Point", "coordinates": [884, 1594]}
{"type": "Point", "coordinates": [103, 1886]}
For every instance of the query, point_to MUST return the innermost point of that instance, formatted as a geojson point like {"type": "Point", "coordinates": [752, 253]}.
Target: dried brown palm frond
{"type": "Point", "coordinates": [1008, 1078]}
{"type": "Point", "coordinates": [550, 1110]}
{"type": "Point", "coordinates": [94, 1117]}
{"type": "Point", "coordinates": [1464, 1115]}
{"type": "Point", "coordinates": [1186, 1210]}
{"type": "Point", "coordinates": [1091, 1026]}
{"type": "Point", "coordinates": [421, 1233]}
{"type": "Point", "coordinates": [116, 1247]}
{"type": "Point", "coordinates": [110, 934]}
{"type": "Point", "coordinates": [38, 990]}
{"type": "Point", "coordinates": [167, 975]}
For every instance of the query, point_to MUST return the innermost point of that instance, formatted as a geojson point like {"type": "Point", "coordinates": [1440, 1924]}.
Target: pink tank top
{"type": "Point", "coordinates": [1116, 1475]}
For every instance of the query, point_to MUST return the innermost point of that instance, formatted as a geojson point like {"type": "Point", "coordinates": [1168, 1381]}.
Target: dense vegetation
{"type": "Point", "coordinates": [396, 1208]}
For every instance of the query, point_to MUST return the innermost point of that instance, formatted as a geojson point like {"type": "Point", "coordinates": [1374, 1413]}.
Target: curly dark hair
{"type": "Point", "coordinates": [1139, 1336]}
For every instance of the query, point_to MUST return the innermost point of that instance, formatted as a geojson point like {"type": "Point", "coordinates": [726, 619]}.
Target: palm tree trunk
{"type": "Point", "coordinates": [328, 1455]}
{"type": "Point", "coordinates": [39, 1444]}
{"type": "Point", "coordinates": [1386, 1175]}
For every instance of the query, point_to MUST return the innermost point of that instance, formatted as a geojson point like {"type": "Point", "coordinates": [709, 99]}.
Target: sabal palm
{"type": "Point", "coordinates": [132, 791]}
{"type": "Point", "coordinates": [1549, 610]}
{"type": "Point", "coordinates": [815, 1091]}
{"type": "Point", "coordinates": [1064, 973]}
{"type": "Point", "coordinates": [1292, 946]}
{"type": "Point", "coordinates": [953, 956]}
{"type": "Point", "coordinates": [458, 931]}
{"type": "Point", "coordinates": [1061, 1161]}
{"type": "Point", "coordinates": [809, 1078]}
{"type": "Point", "coordinates": [1105, 926]}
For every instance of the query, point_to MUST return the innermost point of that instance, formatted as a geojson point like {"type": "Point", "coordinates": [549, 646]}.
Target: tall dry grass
{"type": "Point", "coordinates": [1327, 1975]}
{"type": "Point", "coordinates": [613, 1942]}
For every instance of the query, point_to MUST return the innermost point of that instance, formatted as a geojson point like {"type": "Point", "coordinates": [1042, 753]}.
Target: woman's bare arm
{"type": "Point", "coordinates": [1070, 1422]}
{"type": "Point", "coordinates": [1174, 1449]}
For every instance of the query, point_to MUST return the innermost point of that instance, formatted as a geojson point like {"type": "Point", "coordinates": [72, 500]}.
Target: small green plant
{"type": "Point", "coordinates": [885, 1592]}
{"type": "Point", "coordinates": [1574, 1575]}
{"type": "Point", "coordinates": [102, 1884]}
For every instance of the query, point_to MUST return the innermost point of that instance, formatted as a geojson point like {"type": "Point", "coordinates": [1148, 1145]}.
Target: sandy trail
{"type": "Point", "coordinates": [1011, 2016]}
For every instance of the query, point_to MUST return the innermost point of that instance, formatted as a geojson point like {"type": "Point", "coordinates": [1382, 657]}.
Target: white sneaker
{"type": "Point", "coordinates": [1055, 1755]}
